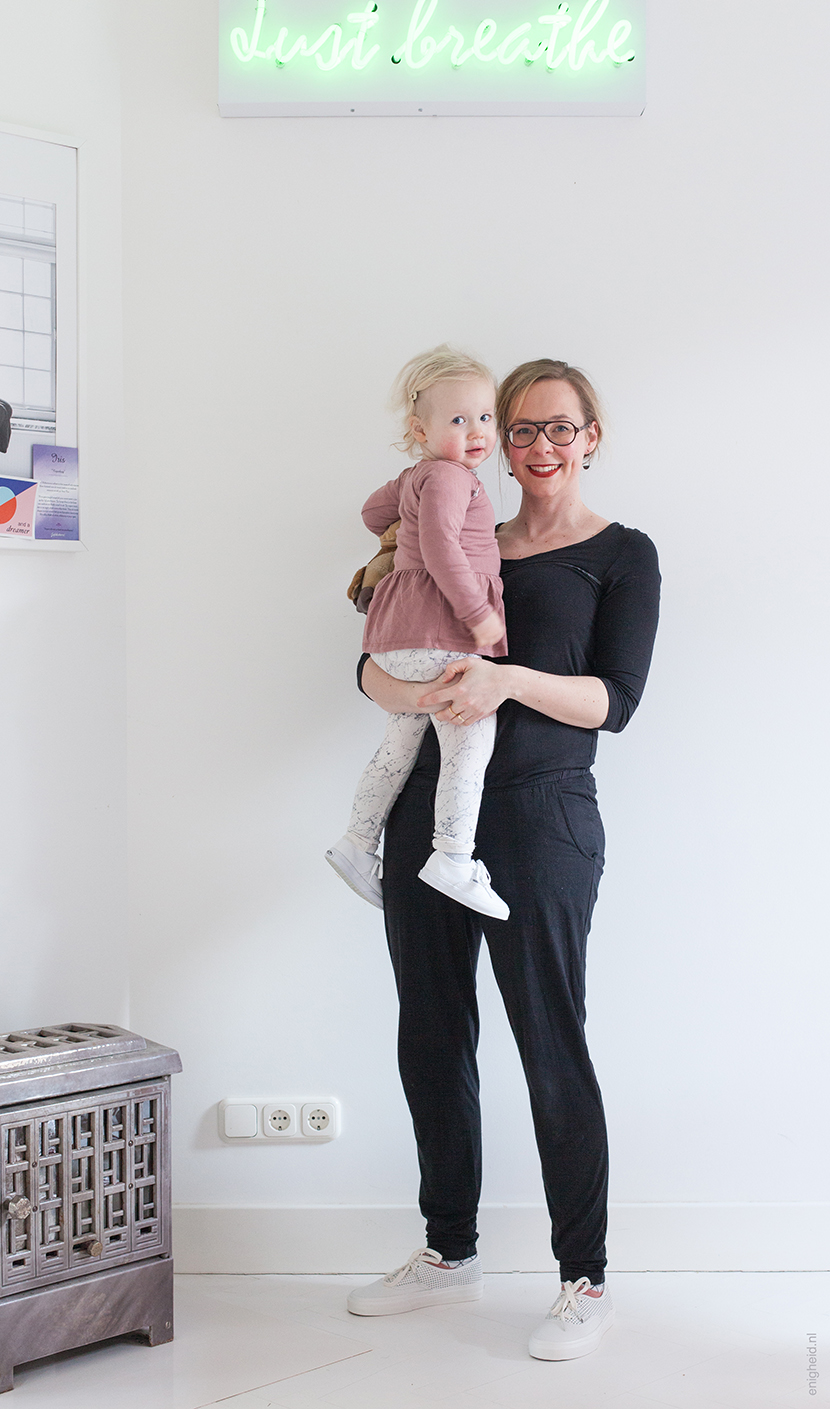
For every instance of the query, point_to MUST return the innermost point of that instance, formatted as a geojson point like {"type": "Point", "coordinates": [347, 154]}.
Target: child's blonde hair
{"type": "Point", "coordinates": [440, 364]}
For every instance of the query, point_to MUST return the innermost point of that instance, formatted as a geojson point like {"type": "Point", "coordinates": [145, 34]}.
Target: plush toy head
{"type": "Point", "coordinates": [361, 589]}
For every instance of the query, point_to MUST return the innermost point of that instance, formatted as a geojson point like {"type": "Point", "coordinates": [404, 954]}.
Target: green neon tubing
{"type": "Point", "coordinates": [584, 26]}
{"type": "Point", "coordinates": [274, 51]}
{"type": "Point", "coordinates": [417, 25]}
{"type": "Point", "coordinates": [506, 58]}
{"type": "Point", "coordinates": [430, 47]}
{"type": "Point", "coordinates": [557, 22]}
{"type": "Point", "coordinates": [366, 19]}
{"type": "Point", "coordinates": [586, 22]}
{"type": "Point", "coordinates": [333, 32]}
{"type": "Point", "coordinates": [460, 55]}
{"type": "Point", "coordinates": [420, 48]}
{"type": "Point", "coordinates": [483, 35]}
{"type": "Point", "coordinates": [354, 46]}
{"type": "Point", "coordinates": [619, 34]}
{"type": "Point", "coordinates": [244, 50]}
{"type": "Point", "coordinates": [589, 18]}
{"type": "Point", "coordinates": [452, 34]}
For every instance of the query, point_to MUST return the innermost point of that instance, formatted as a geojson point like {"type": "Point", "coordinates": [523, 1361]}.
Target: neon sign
{"type": "Point", "coordinates": [293, 58]}
{"type": "Point", "coordinates": [247, 49]}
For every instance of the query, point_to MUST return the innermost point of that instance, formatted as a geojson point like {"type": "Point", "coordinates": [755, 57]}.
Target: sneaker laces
{"type": "Point", "coordinates": [480, 873]}
{"type": "Point", "coordinates": [566, 1306]}
{"type": "Point", "coordinates": [421, 1255]}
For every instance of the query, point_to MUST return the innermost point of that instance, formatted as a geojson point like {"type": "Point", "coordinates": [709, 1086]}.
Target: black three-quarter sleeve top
{"type": "Point", "coordinates": [588, 609]}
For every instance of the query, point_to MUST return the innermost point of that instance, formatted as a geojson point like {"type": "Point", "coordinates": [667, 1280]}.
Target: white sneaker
{"type": "Point", "coordinates": [420, 1282]}
{"type": "Point", "coordinates": [467, 881]}
{"type": "Point", "coordinates": [361, 870]}
{"type": "Point", "coordinates": [574, 1325]}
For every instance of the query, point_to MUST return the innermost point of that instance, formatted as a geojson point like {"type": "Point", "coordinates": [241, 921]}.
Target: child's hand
{"type": "Point", "coordinates": [488, 632]}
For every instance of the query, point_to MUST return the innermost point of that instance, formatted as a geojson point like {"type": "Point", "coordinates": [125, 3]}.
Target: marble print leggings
{"type": "Point", "coordinates": [465, 753]}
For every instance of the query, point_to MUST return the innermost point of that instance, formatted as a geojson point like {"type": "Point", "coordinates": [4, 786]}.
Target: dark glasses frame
{"type": "Point", "coordinates": [543, 426]}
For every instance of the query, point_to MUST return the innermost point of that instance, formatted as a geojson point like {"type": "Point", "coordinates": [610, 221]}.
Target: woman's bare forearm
{"type": "Point", "coordinates": [581, 700]}
{"type": "Point", "coordinates": [395, 696]}
{"type": "Point", "coordinates": [477, 688]}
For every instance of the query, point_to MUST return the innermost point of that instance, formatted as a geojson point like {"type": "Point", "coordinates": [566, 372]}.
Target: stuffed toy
{"type": "Point", "coordinates": [362, 586]}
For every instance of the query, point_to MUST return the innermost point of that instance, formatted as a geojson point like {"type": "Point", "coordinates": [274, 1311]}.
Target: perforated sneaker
{"type": "Point", "coordinates": [361, 870]}
{"type": "Point", "coordinates": [575, 1323]}
{"type": "Point", "coordinates": [466, 881]}
{"type": "Point", "coordinates": [420, 1282]}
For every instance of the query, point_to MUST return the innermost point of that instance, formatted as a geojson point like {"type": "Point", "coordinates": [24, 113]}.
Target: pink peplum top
{"type": "Point", "coordinates": [446, 575]}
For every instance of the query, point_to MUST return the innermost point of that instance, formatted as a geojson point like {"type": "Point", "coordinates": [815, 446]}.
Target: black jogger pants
{"type": "Point", "coordinates": [543, 845]}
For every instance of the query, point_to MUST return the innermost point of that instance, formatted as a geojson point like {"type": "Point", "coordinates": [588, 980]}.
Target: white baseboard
{"type": "Point", "coordinates": [512, 1238]}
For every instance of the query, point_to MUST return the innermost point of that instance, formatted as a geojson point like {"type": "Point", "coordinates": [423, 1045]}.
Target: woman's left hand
{"type": "Point", "coordinates": [478, 688]}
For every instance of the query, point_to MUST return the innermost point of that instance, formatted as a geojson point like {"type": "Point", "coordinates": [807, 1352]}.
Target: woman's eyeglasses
{"type": "Point", "coordinates": [524, 433]}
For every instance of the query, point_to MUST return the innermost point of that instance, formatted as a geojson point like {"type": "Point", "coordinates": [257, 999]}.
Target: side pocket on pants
{"type": "Point", "coordinates": [578, 801]}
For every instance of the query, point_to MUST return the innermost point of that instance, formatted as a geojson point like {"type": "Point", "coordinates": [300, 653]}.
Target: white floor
{"type": "Point", "coordinates": [688, 1340]}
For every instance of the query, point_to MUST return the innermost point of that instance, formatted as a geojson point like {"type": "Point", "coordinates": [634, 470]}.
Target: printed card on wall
{"type": "Point", "coordinates": [55, 468]}
{"type": "Point", "coordinates": [38, 341]}
{"type": "Point", "coordinates": [17, 507]}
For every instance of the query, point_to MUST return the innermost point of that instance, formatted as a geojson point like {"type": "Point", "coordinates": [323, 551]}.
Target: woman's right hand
{"type": "Point", "coordinates": [477, 687]}
{"type": "Point", "coordinates": [400, 696]}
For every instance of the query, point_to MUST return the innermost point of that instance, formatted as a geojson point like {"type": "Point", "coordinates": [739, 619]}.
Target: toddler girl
{"type": "Point", "coordinates": [442, 601]}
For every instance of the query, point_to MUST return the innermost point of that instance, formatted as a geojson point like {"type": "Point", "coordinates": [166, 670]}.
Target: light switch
{"type": "Point", "coordinates": [240, 1122]}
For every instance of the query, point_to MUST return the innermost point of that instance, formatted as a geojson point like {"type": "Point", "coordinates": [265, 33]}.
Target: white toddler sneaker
{"type": "Point", "coordinates": [574, 1325]}
{"type": "Point", "coordinates": [466, 881]}
{"type": "Point", "coordinates": [361, 870]}
{"type": "Point", "coordinates": [420, 1282]}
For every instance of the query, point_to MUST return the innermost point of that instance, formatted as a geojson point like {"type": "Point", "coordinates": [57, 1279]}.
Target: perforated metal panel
{"type": "Point", "coordinates": [66, 1042]}
{"type": "Point", "coordinates": [95, 1170]}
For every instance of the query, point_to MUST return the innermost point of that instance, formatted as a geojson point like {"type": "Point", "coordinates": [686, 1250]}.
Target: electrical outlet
{"type": "Point", "coordinates": [319, 1120]}
{"type": "Point", "coordinates": [279, 1119]}
{"type": "Point", "coordinates": [245, 1120]}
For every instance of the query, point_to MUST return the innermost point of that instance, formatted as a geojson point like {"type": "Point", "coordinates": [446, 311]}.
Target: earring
{"type": "Point", "coordinates": [510, 472]}
{"type": "Point", "coordinates": [586, 463]}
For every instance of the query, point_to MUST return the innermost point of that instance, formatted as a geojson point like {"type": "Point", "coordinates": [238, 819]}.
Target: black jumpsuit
{"type": "Point", "coordinates": [588, 609]}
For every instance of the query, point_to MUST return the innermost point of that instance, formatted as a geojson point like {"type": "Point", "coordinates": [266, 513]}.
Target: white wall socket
{"type": "Point", "coordinates": [244, 1120]}
{"type": "Point", "coordinates": [279, 1120]}
{"type": "Point", "coordinates": [319, 1120]}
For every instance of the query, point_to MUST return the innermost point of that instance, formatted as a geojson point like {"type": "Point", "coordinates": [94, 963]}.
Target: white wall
{"type": "Point", "coordinates": [276, 275]}
{"type": "Point", "coordinates": [62, 824]}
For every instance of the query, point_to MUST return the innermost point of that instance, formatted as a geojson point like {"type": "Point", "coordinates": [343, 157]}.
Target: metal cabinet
{"type": "Point", "coordinates": [84, 1189]}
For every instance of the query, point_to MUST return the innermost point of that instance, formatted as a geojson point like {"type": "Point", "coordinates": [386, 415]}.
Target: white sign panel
{"type": "Point", "coordinates": [362, 58]}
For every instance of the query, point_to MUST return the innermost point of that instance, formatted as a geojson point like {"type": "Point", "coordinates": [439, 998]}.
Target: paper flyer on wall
{"type": "Point", "coordinates": [44, 507]}
{"type": "Point", "coordinates": [55, 468]}
{"type": "Point", "coordinates": [17, 507]}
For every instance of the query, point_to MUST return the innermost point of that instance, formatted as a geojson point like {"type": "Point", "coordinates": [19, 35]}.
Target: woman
{"type": "Point", "coordinates": [581, 600]}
